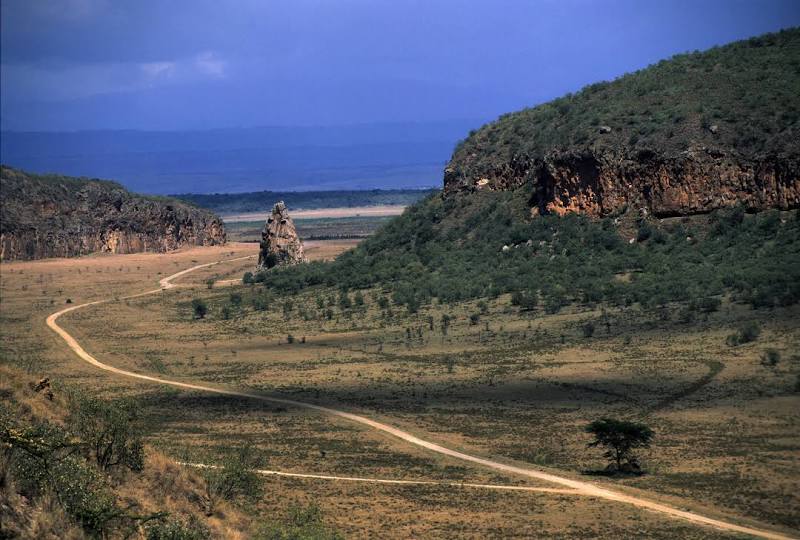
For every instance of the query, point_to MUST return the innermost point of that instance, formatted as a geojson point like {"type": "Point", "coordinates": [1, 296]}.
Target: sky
{"type": "Point", "coordinates": [203, 64]}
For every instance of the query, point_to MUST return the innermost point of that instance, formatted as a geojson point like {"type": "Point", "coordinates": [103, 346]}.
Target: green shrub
{"type": "Point", "coordinates": [747, 333]}
{"type": "Point", "coordinates": [588, 329]}
{"type": "Point", "coordinates": [233, 479]}
{"type": "Point", "coordinates": [199, 308]}
{"type": "Point", "coordinates": [770, 358]}
{"type": "Point", "coordinates": [260, 303]}
{"type": "Point", "coordinates": [301, 523]}
{"type": "Point", "coordinates": [42, 459]}
{"type": "Point", "coordinates": [111, 431]}
{"type": "Point", "coordinates": [176, 529]}
{"type": "Point", "coordinates": [526, 300]}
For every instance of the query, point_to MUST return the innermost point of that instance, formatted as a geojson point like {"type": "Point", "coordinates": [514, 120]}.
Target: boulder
{"type": "Point", "coordinates": [280, 245]}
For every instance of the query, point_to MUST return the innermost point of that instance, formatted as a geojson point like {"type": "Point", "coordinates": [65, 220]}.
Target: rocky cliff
{"type": "Point", "coordinates": [689, 135]}
{"type": "Point", "coordinates": [280, 245]}
{"type": "Point", "coordinates": [601, 183]}
{"type": "Point", "coordinates": [56, 216]}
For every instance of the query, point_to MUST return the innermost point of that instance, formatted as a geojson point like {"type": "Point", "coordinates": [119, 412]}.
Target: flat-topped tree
{"type": "Point", "coordinates": [620, 438]}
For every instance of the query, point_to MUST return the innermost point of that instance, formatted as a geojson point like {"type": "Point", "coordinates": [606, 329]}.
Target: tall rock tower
{"type": "Point", "coordinates": [280, 245]}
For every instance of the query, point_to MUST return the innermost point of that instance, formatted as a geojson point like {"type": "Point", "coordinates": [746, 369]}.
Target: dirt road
{"type": "Point", "coordinates": [581, 487]}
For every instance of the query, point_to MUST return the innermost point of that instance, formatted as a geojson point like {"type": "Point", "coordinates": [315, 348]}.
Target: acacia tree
{"type": "Point", "coordinates": [620, 438]}
{"type": "Point", "coordinates": [110, 430]}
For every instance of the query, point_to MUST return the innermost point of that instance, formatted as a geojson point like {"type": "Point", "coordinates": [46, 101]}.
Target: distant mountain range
{"type": "Point", "coordinates": [365, 156]}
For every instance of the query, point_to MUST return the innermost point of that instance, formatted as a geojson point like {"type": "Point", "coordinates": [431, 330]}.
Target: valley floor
{"type": "Point", "coordinates": [517, 388]}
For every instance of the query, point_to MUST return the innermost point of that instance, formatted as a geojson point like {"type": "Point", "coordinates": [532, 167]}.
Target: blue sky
{"type": "Point", "coordinates": [198, 64]}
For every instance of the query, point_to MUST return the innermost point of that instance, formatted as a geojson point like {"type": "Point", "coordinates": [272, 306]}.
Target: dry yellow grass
{"type": "Point", "coordinates": [514, 391]}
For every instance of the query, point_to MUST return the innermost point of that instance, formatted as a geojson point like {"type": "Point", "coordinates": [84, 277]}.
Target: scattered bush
{"type": "Point", "coordinates": [234, 478]}
{"type": "Point", "coordinates": [526, 300]}
{"type": "Point", "coordinates": [176, 529]}
{"type": "Point", "coordinates": [199, 308]}
{"type": "Point", "coordinates": [746, 334]}
{"type": "Point", "coordinates": [302, 523]}
{"type": "Point", "coordinates": [588, 329]}
{"type": "Point", "coordinates": [260, 303]}
{"type": "Point", "coordinates": [770, 358]}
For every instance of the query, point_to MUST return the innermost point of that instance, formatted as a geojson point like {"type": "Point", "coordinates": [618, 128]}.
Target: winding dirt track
{"type": "Point", "coordinates": [575, 486]}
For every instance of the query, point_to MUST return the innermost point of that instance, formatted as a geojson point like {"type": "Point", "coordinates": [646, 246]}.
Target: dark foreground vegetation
{"type": "Point", "coordinates": [76, 466]}
{"type": "Point", "coordinates": [485, 245]}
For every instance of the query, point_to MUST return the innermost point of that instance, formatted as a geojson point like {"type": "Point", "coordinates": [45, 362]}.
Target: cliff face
{"type": "Point", "coordinates": [687, 135]}
{"type": "Point", "coordinates": [280, 245]}
{"type": "Point", "coordinates": [53, 216]}
{"type": "Point", "coordinates": [599, 183]}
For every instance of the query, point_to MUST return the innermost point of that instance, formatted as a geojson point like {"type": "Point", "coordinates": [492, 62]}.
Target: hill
{"type": "Point", "coordinates": [59, 216]}
{"type": "Point", "coordinates": [697, 132]}
{"type": "Point", "coordinates": [595, 196]}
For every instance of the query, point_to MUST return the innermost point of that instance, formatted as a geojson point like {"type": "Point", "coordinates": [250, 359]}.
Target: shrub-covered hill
{"type": "Point", "coordinates": [486, 244]}
{"type": "Point", "coordinates": [687, 135]}
{"type": "Point", "coordinates": [749, 89]}
{"type": "Point", "coordinates": [541, 203]}
{"type": "Point", "coordinates": [59, 216]}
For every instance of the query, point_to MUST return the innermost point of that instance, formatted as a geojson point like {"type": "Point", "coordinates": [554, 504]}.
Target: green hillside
{"type": "Point", "coordinates": [485, 243]}
{"type": "Point", "coordinates": [749, 91]}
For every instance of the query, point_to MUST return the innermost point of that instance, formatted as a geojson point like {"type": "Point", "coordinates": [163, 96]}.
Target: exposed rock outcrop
{"type": "Point", "coordinates": [280, 245]}
{"type": "Point", "coordinates": [56, 216]}
{"type": "Point", "coordinates": [687, 135]}
{"type": "Point", "coordinates": [696, 181]}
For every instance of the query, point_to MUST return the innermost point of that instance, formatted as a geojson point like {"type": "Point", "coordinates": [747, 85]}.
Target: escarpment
{"type": "Point", "coordinates": [689, 135]}
{"type": "Point", "coordinates": [56, 216]}
{"type": "Point", "coordinates": [601, 183]}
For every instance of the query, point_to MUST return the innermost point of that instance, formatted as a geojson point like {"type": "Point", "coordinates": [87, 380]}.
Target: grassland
{"type": "Point", "coordinates": [312, 228]}
{"type": "Point", "coordinates": [518, 386]}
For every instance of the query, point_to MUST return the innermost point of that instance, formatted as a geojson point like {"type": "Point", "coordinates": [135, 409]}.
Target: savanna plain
{"type": "Point", "coordinates": [483, 377]}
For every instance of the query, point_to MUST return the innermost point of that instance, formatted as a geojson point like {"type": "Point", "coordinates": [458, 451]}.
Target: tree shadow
{"type": "Point", "coordinates": [613, 473]}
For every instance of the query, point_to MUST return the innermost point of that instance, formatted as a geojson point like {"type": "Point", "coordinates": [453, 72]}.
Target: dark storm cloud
{"type": "Point", "coordinates": [96, 63]}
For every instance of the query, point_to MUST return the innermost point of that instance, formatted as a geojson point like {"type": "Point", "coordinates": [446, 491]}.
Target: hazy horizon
{"type": "Point", "coordinates": [304, 95]}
